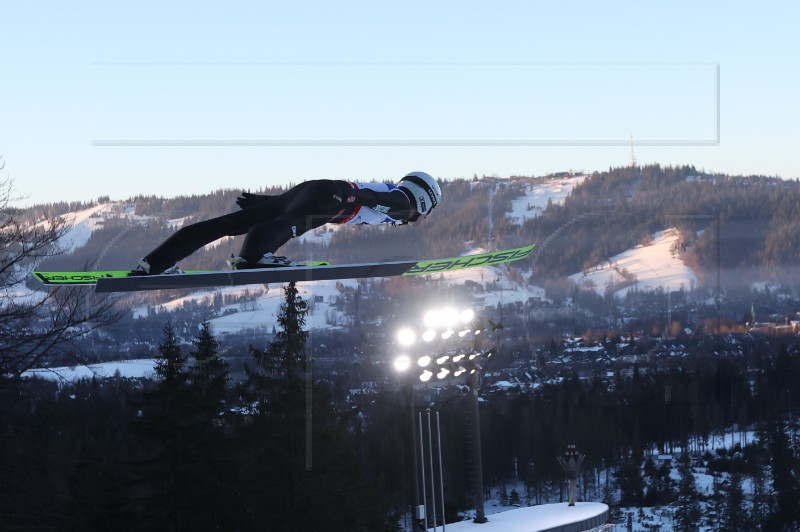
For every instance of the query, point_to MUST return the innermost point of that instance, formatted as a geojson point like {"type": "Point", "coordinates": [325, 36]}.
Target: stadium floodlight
{"type": "Point", "coordinates": [429, 335]}
{"type": "Point", "coordinates": [424, 361]}
{"type": "Point", "coordinates": [442, 373]}
{"type": "Point", "coordinates": [449, 317]}
{"type": "Point", "coordinates": [477, 332]}
{"type": "Point", "coordinates": [442, 359]}
{"type": "Point", "coordinates": [432, 318]}
{"type": "Point", "coordinates": [406, 336]}
{"type": "Point", "coordinates": [426, 376]}
{"type": "Point", "coordinates": [458, 357]}
{"type": "Point", "coordinates": [459, 371]}
{"type": "Point", "coordinates": [473, 356]}
{"type": "Point", "coordinates": [447, 334]}
{"type": "Point", "coordinates": [462, 334]}
{"type": "Point", "coordinates": [402, 363]}
{"type": "Point", "coordinates": [467, 315]}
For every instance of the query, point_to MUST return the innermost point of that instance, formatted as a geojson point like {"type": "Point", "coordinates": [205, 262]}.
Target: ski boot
{"type": "Point", "coordinates": [269, 260]}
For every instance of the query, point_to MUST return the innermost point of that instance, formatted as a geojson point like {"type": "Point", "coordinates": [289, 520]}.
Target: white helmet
{"type": "Point", "coordinates": [424, 189]}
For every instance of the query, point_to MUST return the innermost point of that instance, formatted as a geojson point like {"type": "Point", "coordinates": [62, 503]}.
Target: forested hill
{"type": "Point", "coordinates": [758, 219]}
{"type": "Point", "coordinates": [608, 212]}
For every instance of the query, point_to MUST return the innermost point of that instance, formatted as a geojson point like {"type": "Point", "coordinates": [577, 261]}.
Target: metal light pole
{"type": "Point", "coordinates": [417, 510]}
{"type": "Point", "coordinates": [480, 514]}
{"type": "Point", "coordinates": [441, 474]}
{"type": "Point", "coordinates": [402, 365]}
{"type": "Point", "coordinates": [422, 468]}
{"type": "Point", "coordinates": [433, 477]}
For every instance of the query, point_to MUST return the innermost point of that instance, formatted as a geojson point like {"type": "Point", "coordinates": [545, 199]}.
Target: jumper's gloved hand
{"type": "Point", "coordinates": [349, 196]}
{"type": "Point", "coordinates": [247, 200]}
{"type": "Point", "coordinates": [344, 196]}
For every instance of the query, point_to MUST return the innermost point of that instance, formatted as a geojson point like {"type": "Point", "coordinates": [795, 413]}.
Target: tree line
{"type": "Point", "coordinates": [188, 450]}
{"type": "Point", "coordinates": [192, 450]}
{"type": "Point", "coordinates": [741, 224]}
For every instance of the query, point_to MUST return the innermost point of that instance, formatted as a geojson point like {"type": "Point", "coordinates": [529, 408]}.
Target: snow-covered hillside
{"type": "Point", "coordinates": [538, 195]}
{"type": "Point", "coordinates": [646, 267]}
{"type": "Point", "coordinates": [83, 223]}
{"type": "Point", "coordinates": [132, 369]}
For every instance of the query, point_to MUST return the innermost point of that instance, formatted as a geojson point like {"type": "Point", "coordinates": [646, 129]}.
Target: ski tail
{"type": "Point", "coordinates": [90, 278]}
{"type": "Point", "coordinates": [86, 278]}
{"type": "Point", "coordinates": [76, 278]}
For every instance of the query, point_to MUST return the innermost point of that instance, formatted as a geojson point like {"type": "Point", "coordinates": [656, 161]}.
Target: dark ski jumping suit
{"type": "Point", "coordinates": [270, 221]}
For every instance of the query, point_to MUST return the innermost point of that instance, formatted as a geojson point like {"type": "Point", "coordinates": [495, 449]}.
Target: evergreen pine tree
{"type": "Point", "coordinates": [651, 491]}
{"type": "Point", "coordinates": [170, 365]}
{"type": "Point", "coordinates": [630, 480]}
{"type": "Point", "coordinates": [291, 464]}
{"type": "Point", "coordinates": [209, 374]}
{"type": "Point", "coordinates": [757, 471]}
{"type": "Point", "coordinates": [209, 388]}
{"type": "Point", "coordinates": [503, 496]}
{"type": "Point", "coordinates": [715, 508]}
{"type": "Point", "coordinates": [735, 515]}
{"type": "Point", "coordinates": [161, 425]}
{"type": "Point", "coordinates": [687, 507]}
{"type": "Point", "coordinates": [784, 468]}
{"type": "Point", "coordinates": [176, 479]}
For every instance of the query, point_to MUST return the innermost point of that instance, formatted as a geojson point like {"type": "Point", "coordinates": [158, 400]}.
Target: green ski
{"type": "Point", "coordinates": [119, 281]}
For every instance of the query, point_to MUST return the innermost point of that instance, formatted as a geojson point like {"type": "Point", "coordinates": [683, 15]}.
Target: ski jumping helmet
{"type": "Point", "coordinates": [424, 190]}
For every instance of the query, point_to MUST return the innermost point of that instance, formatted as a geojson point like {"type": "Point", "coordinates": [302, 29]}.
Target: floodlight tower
{"type": "Point", "coordinates": [441, 326]}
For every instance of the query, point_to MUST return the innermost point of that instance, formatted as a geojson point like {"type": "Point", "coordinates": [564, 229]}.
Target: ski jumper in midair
{"type": "Point", "coordinates": [270, 221]}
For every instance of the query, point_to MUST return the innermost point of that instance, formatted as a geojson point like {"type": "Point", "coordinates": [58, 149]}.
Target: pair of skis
{"type": "Point", "coordinates": [120, 281]}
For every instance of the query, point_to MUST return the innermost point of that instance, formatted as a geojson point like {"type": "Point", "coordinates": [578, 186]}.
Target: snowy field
{"type": "Point", "coordinates": [537, 196]}
{"type": "Point", "coordinates": [653, 266]}
{"type": "Point", "coordinates": [532, 518]}
{"type": "Point", "coordinates": [133, 369]}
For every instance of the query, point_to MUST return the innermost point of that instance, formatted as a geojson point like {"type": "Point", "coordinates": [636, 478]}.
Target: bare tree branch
{"type": "Point", "coordinates": [38, 325]}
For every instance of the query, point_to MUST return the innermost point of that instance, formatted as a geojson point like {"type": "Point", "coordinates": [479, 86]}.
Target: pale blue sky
{"type": "Point", "coordinates": [162, 98]}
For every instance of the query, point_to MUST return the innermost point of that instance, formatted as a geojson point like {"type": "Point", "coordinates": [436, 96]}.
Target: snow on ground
{"type": "Point", "coordinates": [82, 224]}
{"type": "Point", "coordinates": [533, 518]}
{"type": "Point", "coordinates": [264, 308]}
{"type": "Point", "coordinates": [20, 295]}
{"type": "Point", "coordinates": [653, 266]}
{"type": "Point", "coordinates": [321, 235]}
{"type": "Point", "coordinates": [503, 290]}
{"type": "Point", "coordinates": [537, 195]}
{"type": "Point", "coordinates": [318, 294]}
{"type": "Point", "coordinates": [177, 223]}
{"type": "Point", "coordinates": [135, 369]}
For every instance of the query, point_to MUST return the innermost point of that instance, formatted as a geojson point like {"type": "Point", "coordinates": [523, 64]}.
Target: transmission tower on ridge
{"type": "Point", "coordinates": [633, 157]}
